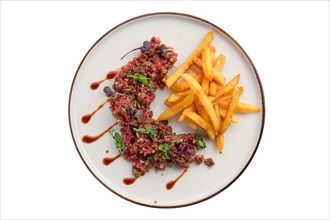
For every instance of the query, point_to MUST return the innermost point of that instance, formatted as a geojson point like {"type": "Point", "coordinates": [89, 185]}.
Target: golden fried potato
{"type": "Point", "coordinates": [185, 66]}
{"type": "Point", "coordinates": [246, 108]}
{"type": "Point", "coordinates": [175, 109]}
{"type": "Point", "coordinates": [203, 98]}
{"type": "Point", "coordinates": [230, 112]}
{"type": "Point", "coordinates": [202, 123]}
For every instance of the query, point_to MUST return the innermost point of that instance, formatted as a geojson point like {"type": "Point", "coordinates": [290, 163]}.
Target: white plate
{"type": "Point", "coordinates": [184, 33]}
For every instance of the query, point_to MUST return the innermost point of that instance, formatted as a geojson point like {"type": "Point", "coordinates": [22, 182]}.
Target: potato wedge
{"type": "Point", "coordinates": [185, 66]}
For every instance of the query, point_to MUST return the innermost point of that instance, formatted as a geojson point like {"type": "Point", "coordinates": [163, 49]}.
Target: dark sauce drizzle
{"type": "Point", "coordinates": [108, 160]}
{"type": "Point", "coordinates": [86, 118]}
{"type": "Point", "coordinates": [170, 184]}
{"type": "Point", "coordinates": [131, 180]}
{"type": "Point", "coordinates": [109, 76]}
{"type": "Point", "coordinates": [90, 139]}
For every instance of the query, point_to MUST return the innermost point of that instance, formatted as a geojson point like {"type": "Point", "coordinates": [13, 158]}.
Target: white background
{"type": "Point", "coordinates": [42, 44]}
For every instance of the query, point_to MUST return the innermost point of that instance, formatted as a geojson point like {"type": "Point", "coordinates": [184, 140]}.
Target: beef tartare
{"type": "Point", "coordinates": [142, 140]}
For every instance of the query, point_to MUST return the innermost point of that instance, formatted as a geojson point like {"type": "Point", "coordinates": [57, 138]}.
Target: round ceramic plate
{"type": "Point", "coordinates": [184, 33]}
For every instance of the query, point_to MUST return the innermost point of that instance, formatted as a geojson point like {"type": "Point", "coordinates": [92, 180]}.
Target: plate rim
{"type": "Point", "coordinates": [263, 108]}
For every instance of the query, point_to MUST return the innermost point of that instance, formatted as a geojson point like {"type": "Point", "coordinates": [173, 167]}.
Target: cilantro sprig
{"type": "Point", "coordinates": [165, 148]}
{"type": "Point", "coordinates": [138, 78]}
{"type": "Point", "coordinates": [200, 142]}
{"type": "Point", "coordinates": [118, 141]}
{"type": "Point", "coordinates": [149, 131]}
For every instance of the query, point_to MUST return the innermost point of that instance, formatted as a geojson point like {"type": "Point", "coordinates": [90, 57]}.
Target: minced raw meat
{"type": "Point", "coordinates": [149, 143]}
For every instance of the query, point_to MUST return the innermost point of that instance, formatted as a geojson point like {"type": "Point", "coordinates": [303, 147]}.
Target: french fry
{"type": "Point", "coordinates": [232, 84]}
{"type": "Point", "coordinates": [182, 86]}
{"type": "Point", "coordinates": [240, 90]}
{"type": "Point", "coordinates": [164, 79]}
{"type": "Point", "coordinates": [206, 100]}
{"type": "Point", "coordinates": [230, 112]}
{"type": "Point", "coordinates": [228, 88]}
{"type": "Point", "coordinates": [175, 97]}
{"type": "Point", "coordinates": [234, 119]}
{"type": "Point", "coordinates": [192, 125]}
{"type": "Point", "coordinates": [184, 93]}
{"type": "Point", "coordinates": [212, 52]}
{"type": "Point", "coordinates": [201, 111]}
{"type": "Point", "coordinates": [205, 84]}
{"type": "Point", "coordinates": [175, 109]}
{"type": "Point", "coordinates": [202, 123]}
{"type": "Point", "coordinates": [219, 78]}
{"type": "Point", "coordinates": [203, 98]}
{"type": "Point", "coordinates": [197, 62]}
{"type": "Point", "coordinates": [246, 108]}
{"type": "Point", "coordinates": [219, 63]}
{"type": "Point", "coordinates": [217, 110]}
{"type": "Point", "coordinates": [178, 86]}
{"type": "Point", "coordinates": [207, 63]}
{"type": "Point", "coordinates": [213, 88]}
{"type": "Point", "coordinates": [217, 75]}
{"type": "Point", "coordinates": [226, 97]}
{"type": "Point", "coordinates": [168, 104]}
{"type": "Point", "coordinates": [191, 108]}
{"type": "Point", "coordinates": [219, 140]}
{"type": "Point", "coordinates": [185, 66]}
{"type": "Point", "coordinates": [212, 49]}
{"type": "Point", "coordinates": [224, 104]}
{"type": "Point", "coordinates": [211, 98]}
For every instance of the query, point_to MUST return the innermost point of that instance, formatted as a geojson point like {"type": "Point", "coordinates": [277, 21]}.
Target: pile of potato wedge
{"type": "Point", "coordinates": [203, 97]}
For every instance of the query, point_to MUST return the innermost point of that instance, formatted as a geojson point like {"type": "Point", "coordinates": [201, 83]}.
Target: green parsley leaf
{"type": "Point", "coordinates": [138, 78]}
{"type": "Point", "coordinates": [165, 156]}
{"type": "Point", "coordinates": [165, 148]}
{"type": "Point", "coordinates": [118, 142]}
{"type": "Point", "coordinates": [149, 131]}
{"type": "Point", "coordinates": [200, 142]}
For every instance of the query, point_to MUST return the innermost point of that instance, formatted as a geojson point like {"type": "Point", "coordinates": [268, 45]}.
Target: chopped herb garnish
{"type": "Point", "coordinates": [118, 141]}
{"type": "Point", "coordinates": [138, 78]}
{"type": "Point", "coordinates": [149, 131]}
{"type": "Point", "coordinates": [166, 156]}
{"type": "Point", "coordinates": [145, 47]}
{"type": "Point", "coordinates": [165, 148]}
{"type": "Point", "coordinates": [200, 142]}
